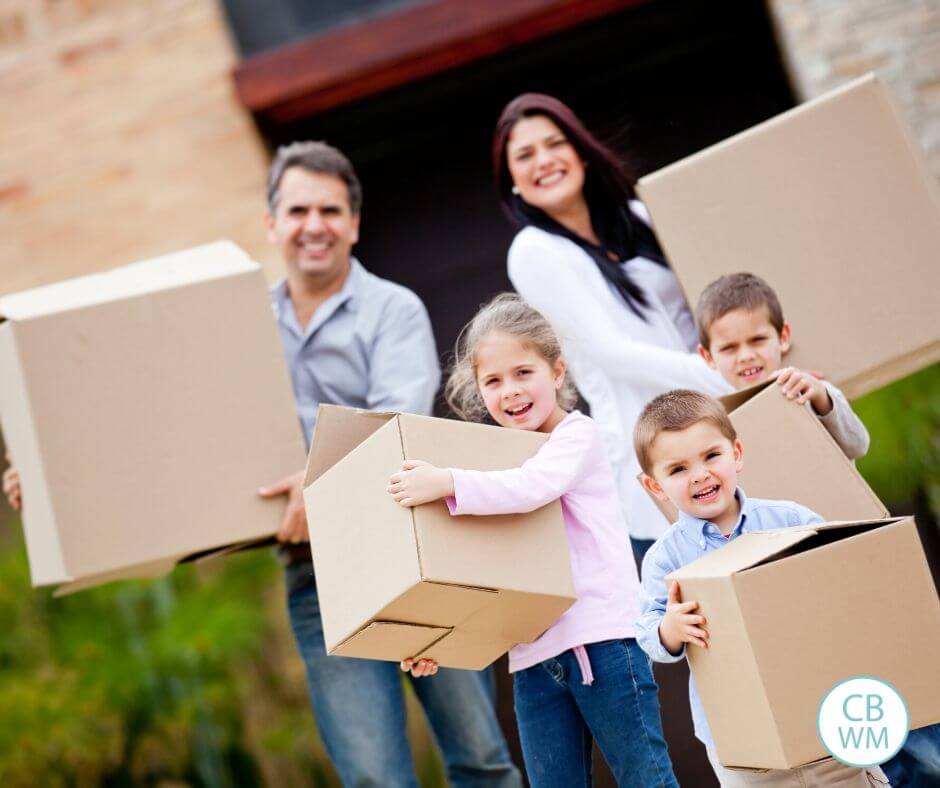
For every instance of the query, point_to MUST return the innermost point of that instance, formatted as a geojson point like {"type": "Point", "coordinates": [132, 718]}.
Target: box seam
{"type": "Point", "coordinates": [414, 519]}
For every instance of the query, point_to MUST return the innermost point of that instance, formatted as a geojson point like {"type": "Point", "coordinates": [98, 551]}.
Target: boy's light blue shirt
{"type": "Point", "coordinates": [688, 539]}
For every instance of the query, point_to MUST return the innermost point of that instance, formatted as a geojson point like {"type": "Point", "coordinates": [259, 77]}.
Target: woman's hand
{"type": "Point", "coordinates": [420, 482]}
{"type": "Point", "coordinates": [419, 667]}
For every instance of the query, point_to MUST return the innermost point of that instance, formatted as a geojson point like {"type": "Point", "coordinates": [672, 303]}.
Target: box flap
{"type": "Point", "coordinates": [337, 432]}
{"type": "Point", "coordinates": [744, 552]}
{"type": "Point", "coordinates": [202, 263]}
{"type": "Point", "coordinates": [467, 650]}
{"type": "Point", "coordinates": [389, 640]}
{"type": "Point", "coordinates": [437, 604]}
{"type": "Point", "coordinates": [738, 398]}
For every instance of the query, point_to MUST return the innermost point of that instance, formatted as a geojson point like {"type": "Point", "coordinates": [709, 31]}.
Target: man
{"type": "Point", "coordinates": [351, 338]}
{"type": "Point", "coordinates": [354, 339]}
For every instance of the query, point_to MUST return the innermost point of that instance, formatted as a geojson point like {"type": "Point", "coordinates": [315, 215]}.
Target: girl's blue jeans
{"type": "Point", "coordinates": [560, 718]}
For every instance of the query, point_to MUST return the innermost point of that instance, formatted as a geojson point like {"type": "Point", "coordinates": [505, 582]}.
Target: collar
{"type": "Point", "coordinates": [697, 529]}
{"type": "Point", "coordinates": [349, 295]}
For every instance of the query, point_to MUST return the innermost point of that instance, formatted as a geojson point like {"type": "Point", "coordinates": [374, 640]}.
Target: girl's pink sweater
{"type": "Point", "coordinates": [573, 466]}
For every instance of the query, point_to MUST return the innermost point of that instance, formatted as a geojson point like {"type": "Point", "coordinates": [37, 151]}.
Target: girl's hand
{"type": "Point", "coordinates": [419, 482]}
{"type": "Point", "coordinates": [803, 386]}
{"type": "Point", "coordinates": [680, 624]}
{"type": "Point", "coordinates": [419, 667]}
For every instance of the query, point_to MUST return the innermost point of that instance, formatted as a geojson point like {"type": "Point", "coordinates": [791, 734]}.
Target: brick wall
{"type": "Point", "coordinates": [829, 42]}
{"type": "Point", "coordinates": [120, 137]}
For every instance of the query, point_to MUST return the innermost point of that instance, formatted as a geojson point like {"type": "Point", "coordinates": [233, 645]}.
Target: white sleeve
{"type": "Point", "coordinates": [542, 277]}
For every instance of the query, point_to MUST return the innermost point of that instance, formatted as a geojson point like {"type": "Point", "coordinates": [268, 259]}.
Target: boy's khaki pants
{"type": "Point", "coordinates": [827, 772]}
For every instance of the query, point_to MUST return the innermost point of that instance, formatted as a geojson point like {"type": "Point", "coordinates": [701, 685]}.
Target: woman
{"type": "Point", "coordinates": [588, 260]}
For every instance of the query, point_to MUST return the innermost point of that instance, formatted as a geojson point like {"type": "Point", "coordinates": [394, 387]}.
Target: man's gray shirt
{"type": "Point", "coordinates": [368, 346]}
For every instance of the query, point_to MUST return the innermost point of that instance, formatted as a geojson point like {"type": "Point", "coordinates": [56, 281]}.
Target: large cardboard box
{"type": "Point", "coordinates": [144, 406]}
{"type": "Point", "coordinates": [789, 455]}
{"type": "Point", "coordinates": [396, 582]}
{"type": "Point", "coordinates": [834, 205]}
{"type": "Point", "coordinates": [792, 612]}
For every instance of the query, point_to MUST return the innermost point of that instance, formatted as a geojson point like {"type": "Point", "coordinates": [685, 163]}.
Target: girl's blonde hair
{"type": "Point", "coordinates": [508, 314]}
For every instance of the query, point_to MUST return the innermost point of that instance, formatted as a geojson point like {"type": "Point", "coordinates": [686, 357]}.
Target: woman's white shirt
{"type": "Point", "coordinates": [619, 360]}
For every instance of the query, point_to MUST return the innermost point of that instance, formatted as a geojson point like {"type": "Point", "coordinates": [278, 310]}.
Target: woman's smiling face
{"type": "Point", "coordinates": [544, 165]}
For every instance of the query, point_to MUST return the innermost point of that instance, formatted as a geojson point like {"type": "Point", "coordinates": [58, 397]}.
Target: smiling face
{"type": "Point", "coordinates": [518, 385]}
{"type": "Point", "coordinates": [313, 225]}
{"type": "Point", "coordinates": [745, 347]}
{"type": "Point", "coordinates": [544, 165]}
{"type": "Point", "coordinates": [697, 469]}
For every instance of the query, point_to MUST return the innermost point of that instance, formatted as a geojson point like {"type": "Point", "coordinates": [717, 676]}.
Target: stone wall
{"type": "Point", "coordinates": [829, 42]}
{"type": "Point", "coordinates": [121, 137]}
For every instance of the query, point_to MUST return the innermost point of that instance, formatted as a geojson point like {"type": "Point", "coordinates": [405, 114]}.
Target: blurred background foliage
{"type": "Point", "coordinates": [193, 680]}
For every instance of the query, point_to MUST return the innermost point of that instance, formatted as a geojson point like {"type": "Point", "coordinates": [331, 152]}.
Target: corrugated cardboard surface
{"type": "Point", "coordinates": [833, 204]}
{"type": "Point", "coordinates": [790, 455]}
{"type": "Point", "coordinates": [144, 419]}
{"type": "Point", "coordinates": [362, 542]}
{"type": "Point", "coordinates": [836, 601]}
{"type": "Point", "coordinates": [418, 582]}
{"type": "Point", "coordinates": [458, 549]}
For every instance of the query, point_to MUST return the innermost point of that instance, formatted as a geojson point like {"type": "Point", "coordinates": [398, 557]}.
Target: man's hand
{"type": "Point", "coordinates": [419, 482]}
{"type": "Point", "coordinates": [803, 386]}
{"type": "Point", "coordinates": [294, 525]}
{"type": "Point", "coordinates": [12, 488]}
{"type": "Point", "coordinates": [680, 625]}
{"type": "Point", "coordinates": [419, 667]}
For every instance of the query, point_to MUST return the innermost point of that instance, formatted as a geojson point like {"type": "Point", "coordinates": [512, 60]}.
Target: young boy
{"type": "Point", "coordinates": [691, 456]}
{"type": "Point", "coordinates": [743, 335]}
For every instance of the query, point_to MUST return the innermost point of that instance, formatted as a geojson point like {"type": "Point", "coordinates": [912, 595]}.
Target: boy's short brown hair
{"type": "Point", "coordinates": [735, 291]}
{"type": "Point", "coordinates": [675, 411]}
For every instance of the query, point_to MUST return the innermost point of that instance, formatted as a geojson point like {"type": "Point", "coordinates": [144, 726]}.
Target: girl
{"type": "Point", "coordinates": [584, 679]}
{"type": "Point", "coordinates": [588, 260]}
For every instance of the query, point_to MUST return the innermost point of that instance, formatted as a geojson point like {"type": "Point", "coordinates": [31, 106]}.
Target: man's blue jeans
{"type": "Point", "coordinates": [560, 718]}
{"type": "Point", "coordinates": [360, 710]}
{"type": "Point", "coordinates": [917, 765]}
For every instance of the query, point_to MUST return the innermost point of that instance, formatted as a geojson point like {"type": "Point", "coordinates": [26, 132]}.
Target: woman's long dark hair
{"type": "Point", "coordinates": [608, 185]}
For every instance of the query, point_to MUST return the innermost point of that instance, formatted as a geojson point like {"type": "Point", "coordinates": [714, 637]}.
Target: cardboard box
{"type": "Point", "coordinates": [790, 455]}
{"type": "Point", "coordinates": [834, 205]}
{"type": "Point", "coordinates": [144, 406]}
{"type": "Point", "coordinates": [791, 612]}
{"type": "Point", "coordinates": [396, 582]}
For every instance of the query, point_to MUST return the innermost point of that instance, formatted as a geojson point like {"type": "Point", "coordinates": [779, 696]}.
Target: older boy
{"type": "Point", "coordinates": [743, 335]}
{"type": "Point", "coordinates": [691, 456]}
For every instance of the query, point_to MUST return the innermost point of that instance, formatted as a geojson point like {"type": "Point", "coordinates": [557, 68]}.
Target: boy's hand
{"type": "Point", "coordinates": [12, 488]}
{"type": "Point", "coordinates": [803, 386]}
{"type": "Point", "coordinates": [680, 625]}
{"type": "Point", "coordinates": [419, 667]}
{"type": "Point", "coordinates": [419, 482]}
{"type": "Point", "coordinates": [294, 524]}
